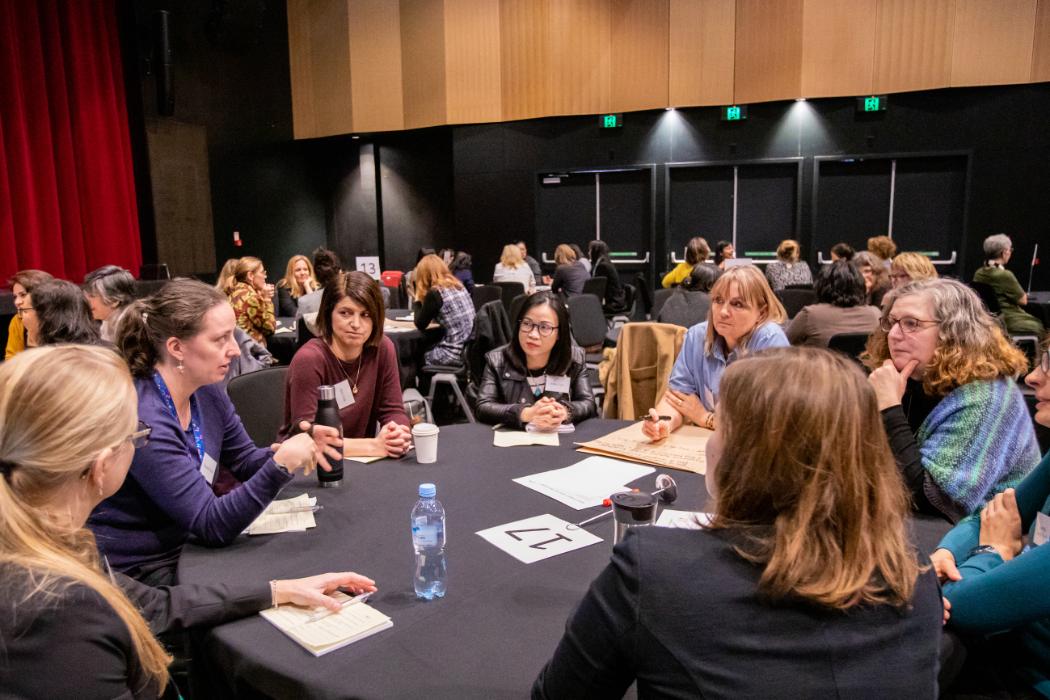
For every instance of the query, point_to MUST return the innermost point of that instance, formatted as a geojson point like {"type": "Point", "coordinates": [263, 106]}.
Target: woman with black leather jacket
{"type": "Point", "coordinates": [540, 377]}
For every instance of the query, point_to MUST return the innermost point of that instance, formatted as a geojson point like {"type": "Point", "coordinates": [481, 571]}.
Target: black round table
{"type": "Point", "coordinates": [498, 624]}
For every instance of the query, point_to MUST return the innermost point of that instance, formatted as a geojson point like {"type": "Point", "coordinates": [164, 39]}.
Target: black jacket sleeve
{"type": "Point", "coordinates": [490, 406]}
{"type": "Point", "coordinates": [906, 452]}
{"type": "Point", "coordinates": [581, 402]}
{"type": "Point", "coordinates": [286, 305]}
{"type": "Point", "coordinates": [428, 311]}
{"type": "Point", "coordinates": [172, 608]}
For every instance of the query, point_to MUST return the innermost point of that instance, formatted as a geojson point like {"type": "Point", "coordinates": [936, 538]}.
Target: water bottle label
{"type": "Point", "coordinates": [424, 534]}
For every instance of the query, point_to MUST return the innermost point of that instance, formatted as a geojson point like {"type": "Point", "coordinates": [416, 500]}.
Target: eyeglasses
{"type": "Point", "coordinates": [908, 324]}
{"type": "Point", "coordinates": [544, 329]}
{"type": "Point", "coordinates": [22, 311]}
{"type": "Point", "coordinates": [140, 438]}
{"type": "Point", "coordinates": [900, 276]}
{"type": "Point", "coordinates": [1044, 361]}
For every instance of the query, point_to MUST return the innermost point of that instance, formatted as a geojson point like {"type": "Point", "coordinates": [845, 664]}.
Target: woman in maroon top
{"type": "Point", "coordinates": [355, 357]}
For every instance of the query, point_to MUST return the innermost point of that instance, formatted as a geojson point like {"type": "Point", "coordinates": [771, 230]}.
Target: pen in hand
{"type": "Point", "coordinates": [652, 419]}
{"type": "Point", "coordinates": [321, 614]}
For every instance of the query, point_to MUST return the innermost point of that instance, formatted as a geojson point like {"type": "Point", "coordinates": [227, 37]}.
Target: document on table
{"type": "Point", "coordinates": [683, 519]}
{"type": "Point", "coordinates": [684, 449]}
{"type": "Point", "coordinates": [538, 537]}
{"type": "Point", "coordinates": [289, 515]}
{"type": "Point", "coordinates": [517, 438]}
{"type": "Point", "coordinates": [330, 632]}
{"type": "Point", "coordinates": [585, 484]}
{"type": "Point", "coordinates": [363, 460]}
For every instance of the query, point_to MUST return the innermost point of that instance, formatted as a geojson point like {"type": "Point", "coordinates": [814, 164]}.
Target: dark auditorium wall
{"type": "Point", "coordinates": [496, 164]}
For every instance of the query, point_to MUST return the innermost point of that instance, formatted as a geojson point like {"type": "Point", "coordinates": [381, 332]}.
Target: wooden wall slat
{"type": "Point", "coordinates": [993, 42]}
{"type": "Point", "coordinates": [768, 50]}
{"type": "Point", "coordinates": [472, 61]}
{"type": "Point", "coordinates": [375, 65]}
{"type": "Point", "coordinates": [701, 42]}
{"type": "Point", "coordinates": [638, 71]}
{"type": "Point", "coordinates": [423, 62]}
{"type": "Point", "coordinates": [1041, 48]}
{"type": "Point", "coordinates": [319, 60]}
{"type": "Point", "coordinates": [523, 58]}
{"type": "Point", "coordinates": [578, 47]}
{"type": "Point", "coordinates": [913, 44]}
{"type": "Point", "coordinates": [838, 47]}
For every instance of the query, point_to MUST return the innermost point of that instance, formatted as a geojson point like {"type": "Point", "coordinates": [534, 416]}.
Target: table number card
{"type": "Point", "coordinates": [539, 537]}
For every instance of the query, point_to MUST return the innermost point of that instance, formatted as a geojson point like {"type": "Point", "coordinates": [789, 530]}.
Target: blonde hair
{"type": "Point", "coordinates": [916, 265]}
{"type": "Point", "coordinates": [241, 270]}
{"type": "Point", "coordinates": [289, 281]}
{"type": "Point", "coordinates": [91, 405]}
{"type": "Point", "coordinates": [511, 256]}
{"type": "Point", "coordinates": [788, 250]}
{"type": "Point", "coordinates": [808, 478]}
{"type": "Point", "coordinates": [756, 293]}
{"type": "Point", "coordinates": [564, 254]}
{"type": "Point", "coordinates": [433, 273]}
{"type": "Point", "coordinates": [226, 274]}
{"type": "Point", "coordinates": [971, 345]}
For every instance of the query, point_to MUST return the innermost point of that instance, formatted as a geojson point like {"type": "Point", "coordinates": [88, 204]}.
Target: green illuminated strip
{"type": "Point", "coordinates": [760, 253]}
{"type": "Point", "coordinates": [623, 254]}
{"type": "Point", "coordinates": [930, 253]}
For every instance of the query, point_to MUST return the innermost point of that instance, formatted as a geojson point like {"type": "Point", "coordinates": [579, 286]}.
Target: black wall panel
{"type": "Point", "coordinates": [768, 205]}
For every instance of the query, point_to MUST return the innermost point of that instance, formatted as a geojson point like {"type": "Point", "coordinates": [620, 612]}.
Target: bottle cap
{"type": "Point", "coordinates": [427, 490]}
{"type": "Point", "coordinates": [326, 392]}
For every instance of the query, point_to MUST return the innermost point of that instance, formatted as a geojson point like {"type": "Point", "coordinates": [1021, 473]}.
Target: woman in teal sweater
{"type": "Point", "coordinates": [995, 587]}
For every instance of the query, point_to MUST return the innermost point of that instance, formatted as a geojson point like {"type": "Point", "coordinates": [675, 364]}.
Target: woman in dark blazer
{"type": "Point", "coordinates": [539, 377]}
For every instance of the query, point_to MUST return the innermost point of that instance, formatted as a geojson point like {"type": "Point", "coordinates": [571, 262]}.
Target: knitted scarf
{"type": "Point", "coordinates": [976, 442]}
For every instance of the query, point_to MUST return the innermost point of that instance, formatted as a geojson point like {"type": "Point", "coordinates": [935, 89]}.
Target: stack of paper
{"type": "Point", "coordinates": [322, 634]}
{"type": "Point", "coordinates": [683, 519]}
{"type": "Point", "coordinates": [517, 438]}
{"type": "Point", "coordinates": [684, 449]}
{"type": "Point", "coordinates": [585, 484]}
{"type": "Point", "coordinates": [290, 515]}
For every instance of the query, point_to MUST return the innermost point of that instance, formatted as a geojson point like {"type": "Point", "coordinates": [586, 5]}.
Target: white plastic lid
{"type": "Point", "coordinates": [424, 429]}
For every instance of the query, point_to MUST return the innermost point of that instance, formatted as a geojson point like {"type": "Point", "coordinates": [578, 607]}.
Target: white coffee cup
{"type": "Point", "coordinates": [425, 437]}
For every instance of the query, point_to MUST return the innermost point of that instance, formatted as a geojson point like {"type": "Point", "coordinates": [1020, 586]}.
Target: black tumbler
{"type": "Point", "coordinates": [328, 414]}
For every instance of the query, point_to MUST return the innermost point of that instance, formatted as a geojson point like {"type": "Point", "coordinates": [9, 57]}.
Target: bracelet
{"type": "Point", "coordinates": [273, 593]}
{"type": "Point", "coordinates": [709, 422]}
{"type": "Point", "coordinates": [984, 549]}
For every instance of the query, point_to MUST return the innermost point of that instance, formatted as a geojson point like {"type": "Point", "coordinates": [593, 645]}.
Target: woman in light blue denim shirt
{"type": "Point", "coordinates": [745, 316]}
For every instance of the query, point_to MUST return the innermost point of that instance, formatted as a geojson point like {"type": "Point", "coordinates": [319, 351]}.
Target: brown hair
{"type": "Point", "coordinates": [363, 290]}
{"type": "Point", "coordinates": [755, 291]}
{"type": "Point", "coordinates": [971, 345]}
{"type": "Point", "coordinates": [29, 279]}
{"type": "Point", "coordinates": [882, 246]}
{"type": "Point", "coordinates": [91, 406]}
{"type": "Point", "coordinates": [433, 273]}
{"type": "Point", "coordinates": [289, 281]}
{"type": "Point", "coordinates": [916, 265]}
{"type": "Point", "coordinates": [788, 250]}
{"type": "Point", "coordinates": [696, 250]}
{"type": "Point", "coordinates": [176, 310]}
{"type": "Point", "coordinates": [564, 254]}
{"type": "Point", "coordinates": [807, 478]}
{"type": "Point", "coordinates": [880, 275]}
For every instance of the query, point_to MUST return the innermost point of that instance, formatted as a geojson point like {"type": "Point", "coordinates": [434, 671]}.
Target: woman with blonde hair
{"type": "Point", "coordinates": [298, 281]}
{"type": "Point", "coordinates": [513, 268]}
{"type": "Point", "coordinates": [252, 299]}
{"type": "Point", "coordinates": [804, 584]}
{"type": "Point", "coordinates": [909, 267]}
{"type": "Point", "coordinates": [745, 316]}
{"type": "Point", "coordinates": [223, 282]}
{"type": "Point", "coordinates": [570, 274]}
{"type": "Point", "coordinates": [788, 269]}
{"type": "Point", "coordinates": [441, 297]}
{"type": "Point", "coordinates": [58, 459]}
{"type": "Point", "coordinates": [944, 375]}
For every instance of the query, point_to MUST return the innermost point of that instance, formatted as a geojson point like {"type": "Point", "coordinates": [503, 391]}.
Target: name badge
{"type": "Point", "coordinates": [343, 395]}
{"type": "Point", "coordinates": [1042, 529]}
{"type": "Point", "coordinates": [208, 468]}
{"type": "Point", "coordinates": [557, 385]}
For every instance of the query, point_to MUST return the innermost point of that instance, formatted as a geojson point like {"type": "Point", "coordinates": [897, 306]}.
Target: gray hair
{"type": "Point", "coordinates": [960, 313]}
{"type": "Point", "coordinates": [111, 283]}
{"type": "Point", "coordinates": [995, 246]}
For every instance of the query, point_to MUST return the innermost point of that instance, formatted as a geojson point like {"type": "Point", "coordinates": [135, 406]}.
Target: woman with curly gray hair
{"type": "Point", "coordinates": [1011, 296]}
{"type": "Point", "coordinates": [943, 373]}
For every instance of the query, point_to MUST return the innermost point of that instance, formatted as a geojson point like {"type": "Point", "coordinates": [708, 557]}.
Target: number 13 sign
{"type": "Point", "coordinates": [369, 265]}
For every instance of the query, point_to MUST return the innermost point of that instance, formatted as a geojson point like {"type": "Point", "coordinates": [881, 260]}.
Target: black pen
{"type": "Point", "coordinates": [652, 419]}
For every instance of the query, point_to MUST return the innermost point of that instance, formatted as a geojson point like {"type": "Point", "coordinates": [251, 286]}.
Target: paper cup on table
{"type": "Point", "coordinates": [425, 437]}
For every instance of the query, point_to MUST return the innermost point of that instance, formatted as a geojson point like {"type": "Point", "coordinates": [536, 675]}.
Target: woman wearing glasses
{"type": "Point", "coordinates": [22, 285]}
{"type": "Point", "coordinates": [58, 459]}
{"type": "Point", "coordinates": [179, 344]}
{"type": "Point", "coordinates": [539, 378]}
{"type": "Point", "coordinates": [995, 588]}
{"type": "Point", "coordinates": [944, 375]}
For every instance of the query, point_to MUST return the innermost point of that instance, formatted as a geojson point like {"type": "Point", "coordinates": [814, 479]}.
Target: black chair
{"type": "Point", "coordinates": [660, 297]}
{"type": "Point", "coordinates": [509, 290]}
{"type": "Point", "coordinates": [484, 293]}
{"type": "Point", "coordinates": [259, 400]}
{"type": "Point", "coordinates": [588, 325]}
{"type": "Point", "coordinates": [988, 296]}
{"type": "Point", "coordinates": [794, 299]}
{"type": "Point", "coordinates": [644, 294]}
{"type": "Point", "coordinates": [154, 271]}
{"type": "Point", "coordinates": [596, 286]}
{"type": "Point", "coordinates": [851, 344]}
{"type": "Point", "coordinates": [1027, 342]}
{"type": "Point", "coordinates": [515, 307]}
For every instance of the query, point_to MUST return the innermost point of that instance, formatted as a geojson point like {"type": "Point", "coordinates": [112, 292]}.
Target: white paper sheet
{"type": "Point", "coordinates": [517, 438]}
{"type": "Point", "coordinates": [587, 483]}
{"type": "Point", "coordinates": [684, 519]}
{"type": "Point", "coordinates": [331, 632]}
{"type": "Point", "coordinates": [289, 515]}
{"type": "Point", "coordinates": [539, 537]}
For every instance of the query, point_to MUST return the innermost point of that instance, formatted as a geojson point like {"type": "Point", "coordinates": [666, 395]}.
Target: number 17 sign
{"type": "Point", "coordinates": [537, 538]}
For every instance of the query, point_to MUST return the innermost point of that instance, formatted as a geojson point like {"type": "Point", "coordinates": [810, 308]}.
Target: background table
{"type": "Point", "coordinates": [500, 620]}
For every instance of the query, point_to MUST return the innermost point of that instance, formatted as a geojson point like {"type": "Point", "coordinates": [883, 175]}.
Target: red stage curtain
{"type": "Point", "coordinates": [67, 190]}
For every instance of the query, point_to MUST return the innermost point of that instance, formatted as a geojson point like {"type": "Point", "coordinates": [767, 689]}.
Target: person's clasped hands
{"type": "Point", "coordinates": [394, 439]}
{"type": "Point", "coordinates": [545, 415]}
{"type": "Point", "coordinates": [1000, 528]}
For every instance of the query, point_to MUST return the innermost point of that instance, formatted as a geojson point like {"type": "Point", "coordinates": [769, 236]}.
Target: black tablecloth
{"type": "Point", "coordinates": [500, 620]}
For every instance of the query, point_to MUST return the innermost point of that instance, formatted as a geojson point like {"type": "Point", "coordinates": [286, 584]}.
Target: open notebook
{"type": "Point", "coordinates": [330, 632]}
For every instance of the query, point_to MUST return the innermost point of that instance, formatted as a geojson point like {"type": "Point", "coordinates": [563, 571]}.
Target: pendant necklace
{"type": "Point", "coordinates": [357, 375]}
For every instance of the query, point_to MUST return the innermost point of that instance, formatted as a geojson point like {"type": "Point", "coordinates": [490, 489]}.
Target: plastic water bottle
{"type": "Point", "coordinates": [428, 539]}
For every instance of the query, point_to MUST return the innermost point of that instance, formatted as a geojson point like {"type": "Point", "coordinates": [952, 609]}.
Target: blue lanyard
{"type": "Point", "coordinates": [195, 418]}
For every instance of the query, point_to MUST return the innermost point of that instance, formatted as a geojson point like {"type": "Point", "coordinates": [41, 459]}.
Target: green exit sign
{"type": "Point", "coordinates": [872, 103]}
{"type": "Point", "coordinates": [610, 121]}
{"type": "Point", "coordinates": [734, 113]}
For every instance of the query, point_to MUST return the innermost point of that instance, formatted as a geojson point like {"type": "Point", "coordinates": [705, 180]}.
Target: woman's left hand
{"type": "Point", "coordinates": [1001, 525]}
{"type": "Point", "coordinates": [688, 405]}
{"type": "Point", "coordinates": [889, 384]}
{"type": "Point", "coordinates": [313, 590]}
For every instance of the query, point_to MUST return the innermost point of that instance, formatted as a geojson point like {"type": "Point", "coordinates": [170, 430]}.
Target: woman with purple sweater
{"type": "Point", "coordinates": [179, 344]}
